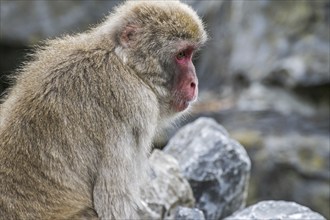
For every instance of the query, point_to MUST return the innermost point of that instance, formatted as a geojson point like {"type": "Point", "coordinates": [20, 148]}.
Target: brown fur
{"type": "Point", "coordinates": [76, 128]}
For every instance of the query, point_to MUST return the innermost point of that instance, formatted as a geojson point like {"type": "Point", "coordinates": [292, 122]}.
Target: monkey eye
{"type": "Point", "coordinates": [181, 55]}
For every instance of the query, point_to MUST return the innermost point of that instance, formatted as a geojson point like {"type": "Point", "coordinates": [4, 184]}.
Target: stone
{"type": "Point", "coordinates": [184, 213]}
{"type": "Point", "coordinates": [216, 166]}
{"type": "Point", "coordinates": [276, 210]}
{"type": "Point", "coordinates": [299, 161]}
{"type": "Point", "coordinates": [38, 20]}
{"type": "Point", "coordinates": [166, 190]}
{"type": "Point", "coordinates": [254, 99]}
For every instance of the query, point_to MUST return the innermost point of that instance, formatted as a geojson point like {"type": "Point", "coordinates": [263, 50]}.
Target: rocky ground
{"type": "Point", "coordinates": [203, 173]}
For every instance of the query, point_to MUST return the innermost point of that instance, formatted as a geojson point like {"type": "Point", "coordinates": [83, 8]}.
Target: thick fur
{"type": "Point", "coordinates": [76, 128]}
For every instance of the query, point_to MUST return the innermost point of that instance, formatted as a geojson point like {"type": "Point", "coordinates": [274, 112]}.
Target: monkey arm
{"type": "Point", "coordinates": [120, 189]}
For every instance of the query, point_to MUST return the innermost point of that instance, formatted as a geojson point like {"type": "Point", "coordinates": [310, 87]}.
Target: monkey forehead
{"type": "Point", "coordinates": [173, 17]}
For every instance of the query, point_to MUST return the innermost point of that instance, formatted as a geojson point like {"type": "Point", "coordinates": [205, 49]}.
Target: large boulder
{"type": "Point", "coordinates": [216, 166]}
{"type": "Point", "coordinates": [289, 153]}
{"type": "Point", "coordinates": [295, 167]}
{"type": "Point", "coordinates": [276, 210]}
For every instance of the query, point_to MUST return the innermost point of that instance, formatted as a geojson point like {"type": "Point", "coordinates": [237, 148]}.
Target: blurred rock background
{"type": "Point", "coordinates": [264, 75]}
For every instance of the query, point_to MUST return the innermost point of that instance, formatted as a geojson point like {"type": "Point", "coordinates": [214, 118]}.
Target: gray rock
{"type": "Point", "coordinates": [184, 213]}
{"type": "Point", "coordinates": [276, 210]}
{"type": "Point", "coordinates": [255, 41]}
{"type": "Point", "coordinates": [166, 190]}
{"type": "Point", "coordinates": [289, 153]}
{"type": "Point", "coordinates": [254, 99]}
{"type": "Point", "coordinates": [309, 155]}
{"type": "Point", "coordinates": [38, 20]}
{"type": "Point", "coordinates": [295, 167]}
{"type": "Point", "coordinates": [216, 166]}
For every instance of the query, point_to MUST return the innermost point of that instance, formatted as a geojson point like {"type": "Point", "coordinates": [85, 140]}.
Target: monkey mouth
{"type": "Point", "coordinates": [181, 105]}
{"type": "Point", "coordinates": [181, 100]}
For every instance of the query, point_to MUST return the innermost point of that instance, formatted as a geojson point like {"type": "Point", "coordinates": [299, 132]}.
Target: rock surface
{"type": "Point", "coordinates": [38, 20]}
{"type": "Point", "coordinates": [275, 210]}
{"type": "Point", "coordinates": [166, 190]}
{"type": "Point", "coordinates": [290, 156]}
{"type": "Point", "coordinates": [286, 42]}
{"type": "Point", "coordinates": [216, 166]}
{"type": "Point", "coordinates": [184, 213]}
{"type": "Point", "coordinates": [295, 167]}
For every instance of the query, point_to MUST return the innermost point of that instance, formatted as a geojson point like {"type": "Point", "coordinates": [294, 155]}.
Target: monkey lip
{"type": "Point", "coordinates": [182, 101]}
{"type": "Point", "coordinates": [182, 105]}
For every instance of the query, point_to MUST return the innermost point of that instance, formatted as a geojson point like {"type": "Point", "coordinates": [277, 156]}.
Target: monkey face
{"type": "Point", "coordinates": [185, 85]}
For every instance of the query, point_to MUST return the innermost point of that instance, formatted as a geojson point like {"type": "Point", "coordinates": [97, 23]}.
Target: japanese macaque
{"type": "Point", "coordinates": [76, 128]}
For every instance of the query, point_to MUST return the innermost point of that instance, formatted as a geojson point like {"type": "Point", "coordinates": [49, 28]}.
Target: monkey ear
{"type": "Point", "coordinates": [128, 36]}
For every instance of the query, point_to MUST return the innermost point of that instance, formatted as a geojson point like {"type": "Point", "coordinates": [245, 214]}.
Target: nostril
{"type": "Point", "coordinates": [193, 85]}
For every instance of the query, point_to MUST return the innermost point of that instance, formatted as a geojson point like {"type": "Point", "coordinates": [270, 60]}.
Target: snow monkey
{"type": "Point", "coordinates": [76, 128]}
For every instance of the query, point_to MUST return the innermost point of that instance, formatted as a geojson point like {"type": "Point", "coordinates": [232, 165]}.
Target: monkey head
{"type": "Point", "coordinates": [157, 40]}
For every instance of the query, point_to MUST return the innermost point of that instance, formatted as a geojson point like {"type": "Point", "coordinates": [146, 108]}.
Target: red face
{"type": "Point", "coordinates": [186, 82]}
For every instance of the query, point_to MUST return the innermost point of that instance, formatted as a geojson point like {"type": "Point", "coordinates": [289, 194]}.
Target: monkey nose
{"type": "Point", "coordinates": [193, 85]}
{"type": "Point", "coordinates": [194, 90]}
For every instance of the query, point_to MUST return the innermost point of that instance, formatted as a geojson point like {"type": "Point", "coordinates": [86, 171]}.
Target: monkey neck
{"type": "Point", "coordinates": [122, 58]}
